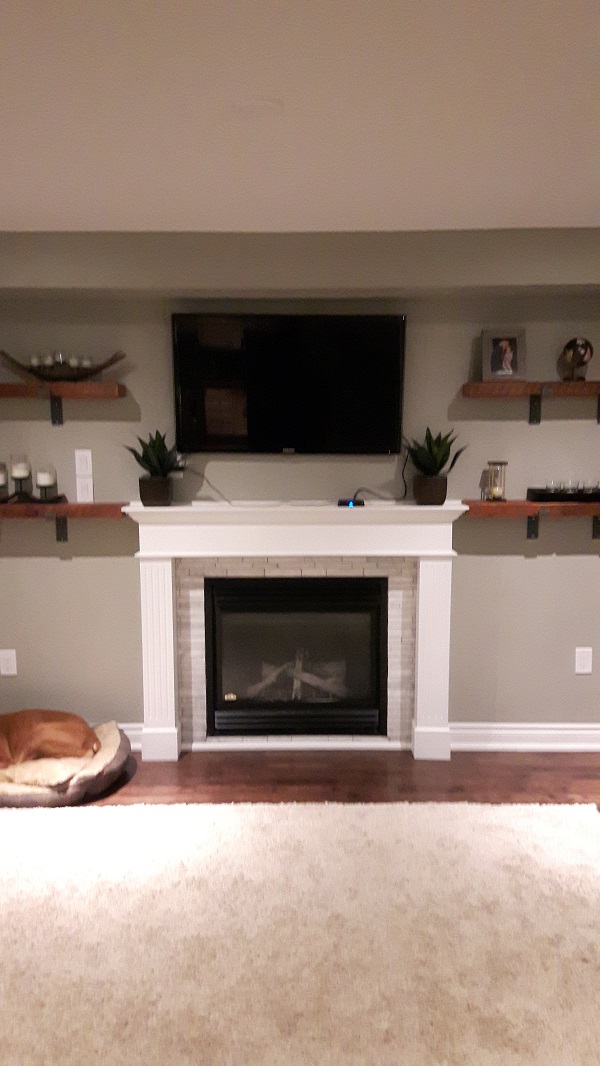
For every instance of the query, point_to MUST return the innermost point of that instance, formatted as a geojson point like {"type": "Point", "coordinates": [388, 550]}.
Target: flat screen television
{"type": "Point", "coordinates": [295, 384]}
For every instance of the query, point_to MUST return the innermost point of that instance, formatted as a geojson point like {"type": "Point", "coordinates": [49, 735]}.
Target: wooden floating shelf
{"type": "Point", "coordinates": [489, 390]}
{"type": "Point", "coordinates": [523, 508]}
{"type": "Point", "coordinates": [67, 390]}
{"type": "Point", "coordinates": [57, 391]}
{"type": "Point", "coordinates": [60, 512]}
{"type": "Point", "coordinates": [494, 390]}
{"type": "Point", "coordinates": [531, 510]}
{"type": "Point", "coordinates": [533, 390]}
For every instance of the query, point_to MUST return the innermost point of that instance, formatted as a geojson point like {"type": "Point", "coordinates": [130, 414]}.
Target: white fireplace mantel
{"type": "Point", "coordinates": [207, 529]}
{"type": "Point", "coordinates": [299, 530]}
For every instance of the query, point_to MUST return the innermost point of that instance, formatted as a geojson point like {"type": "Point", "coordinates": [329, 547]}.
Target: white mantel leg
{"type": "Point", "coordinates": [431, 732]}
{"type": "Point", "coordinates": [161, 732]}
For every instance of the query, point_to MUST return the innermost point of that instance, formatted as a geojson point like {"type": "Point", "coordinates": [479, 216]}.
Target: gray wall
{"type": "Point", "coordinates": [519, 608]}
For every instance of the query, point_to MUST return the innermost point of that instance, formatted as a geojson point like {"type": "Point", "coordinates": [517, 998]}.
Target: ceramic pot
{"type": "Point", "coordinates": [156, 491]}
{"type": "Point", "coordinates": [430, 490]}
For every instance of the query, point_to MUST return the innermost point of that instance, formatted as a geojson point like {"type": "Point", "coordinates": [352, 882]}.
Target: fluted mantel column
{"type": "Point", "coordinates": [161, 732]}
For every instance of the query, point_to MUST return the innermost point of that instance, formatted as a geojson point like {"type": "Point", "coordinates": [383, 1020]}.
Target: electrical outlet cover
{"type": "Point", "coordinates": [583, 660]}
{"type": "Point", "coordinates": [8, 662]}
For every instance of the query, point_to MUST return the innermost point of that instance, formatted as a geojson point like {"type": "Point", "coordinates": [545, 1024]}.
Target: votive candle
{"type": "Point", "coordinates": [44, 478]}
{"type": "Point", "coordinates": [20, 470]}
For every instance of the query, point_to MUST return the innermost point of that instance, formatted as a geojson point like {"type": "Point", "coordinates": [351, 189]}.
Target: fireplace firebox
{"type": "Point", "coordinates": [296, 655]}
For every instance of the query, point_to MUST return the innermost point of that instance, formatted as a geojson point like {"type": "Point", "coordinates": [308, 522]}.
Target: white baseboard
{"type": "Point", "coordinates": [525, 736]}
{"type": "Point", "coordinates": [464, 736]}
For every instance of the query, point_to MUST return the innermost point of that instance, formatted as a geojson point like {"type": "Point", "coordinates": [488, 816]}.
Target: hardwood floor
{"type": "Point", "coordinates": [360, 777]}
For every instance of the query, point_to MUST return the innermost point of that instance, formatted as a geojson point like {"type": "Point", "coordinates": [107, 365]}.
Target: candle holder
{"type": "Point", "coordinates": [496, 480]}
{"type": "Point", "coordinates": [20, 495]}
{"type": "Point", "coordinates": [48, 494]}
{"type": "Point", "coordinates": [20, 472]}
{"type": "Point", "coordinates": [45, 479]}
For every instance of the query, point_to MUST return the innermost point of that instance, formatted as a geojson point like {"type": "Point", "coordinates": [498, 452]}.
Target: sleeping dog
{"type": "Point", "coordinates": [28, 735]}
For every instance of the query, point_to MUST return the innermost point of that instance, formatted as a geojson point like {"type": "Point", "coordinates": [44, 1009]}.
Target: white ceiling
{"type": "Point", "coordinates": [298, 115]}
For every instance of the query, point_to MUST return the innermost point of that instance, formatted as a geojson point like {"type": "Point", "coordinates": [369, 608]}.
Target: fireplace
{"type": "Point", "coordinates": [183, 546]}
{"type": "Point", "coordinates": [296, 656]}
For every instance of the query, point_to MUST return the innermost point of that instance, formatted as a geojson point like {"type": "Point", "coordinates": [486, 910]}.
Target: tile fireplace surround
{"type": "Point", "coordinates": [410, 545]}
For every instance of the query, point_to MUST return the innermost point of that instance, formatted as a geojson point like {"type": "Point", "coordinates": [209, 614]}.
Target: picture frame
{"type": "Point", "coordinates": [503, 354]}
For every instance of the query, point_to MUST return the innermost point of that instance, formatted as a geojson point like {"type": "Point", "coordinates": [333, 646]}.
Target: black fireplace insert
{"type": "Point", "coordinates": [296, 655]}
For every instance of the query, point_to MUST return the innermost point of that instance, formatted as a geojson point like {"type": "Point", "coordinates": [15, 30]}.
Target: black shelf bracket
{"type": "Point", "coordinates": [535, 409]}
{"type": "Point", "coordinates": [56, 410]}
{"type": "Point", "coordinates": [533, 526]}
{"type": "Point", "coordinates": [598, 409]}
{"type": "Point", "coordinates": [62, 530]}
{"type": "Point", "coordinates": [596, 527]}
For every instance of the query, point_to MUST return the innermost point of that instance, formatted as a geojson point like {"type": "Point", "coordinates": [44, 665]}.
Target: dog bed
{"type": "Point", "coordinates": [61, 782]}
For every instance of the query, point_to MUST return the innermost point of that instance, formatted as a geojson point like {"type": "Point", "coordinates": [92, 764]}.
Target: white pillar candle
{"type": "Point", "coordinates": [44, 478]}
{"type": "Point", "coordinates": [20, 471]}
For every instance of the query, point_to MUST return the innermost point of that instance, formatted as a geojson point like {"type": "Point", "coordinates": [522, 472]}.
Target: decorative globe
{"type": "Point", "coordinates": [574, 358]}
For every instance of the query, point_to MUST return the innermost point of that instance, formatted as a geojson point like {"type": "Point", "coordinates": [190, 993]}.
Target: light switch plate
{"type": "Point", "coordinates": [83, 462]}
{"type": "Point", "coordinates": [85, 489]}
{"type": "Point", "coordinates": [583, 660]}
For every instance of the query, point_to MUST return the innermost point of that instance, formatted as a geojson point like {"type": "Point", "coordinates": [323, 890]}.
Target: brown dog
{"type": "Point", "coordinates": [44, 735]}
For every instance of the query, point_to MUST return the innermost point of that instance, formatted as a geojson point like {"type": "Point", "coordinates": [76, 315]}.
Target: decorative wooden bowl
{"type": "Point", "coordinates": [61, 371]}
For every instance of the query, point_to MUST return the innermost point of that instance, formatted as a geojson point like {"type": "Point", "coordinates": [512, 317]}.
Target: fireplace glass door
{"type": "Point", "coordinates": [296, 655]}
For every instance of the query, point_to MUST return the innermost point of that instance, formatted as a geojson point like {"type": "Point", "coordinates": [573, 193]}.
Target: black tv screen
{"type": "Point", "coordinates": [304, 384]}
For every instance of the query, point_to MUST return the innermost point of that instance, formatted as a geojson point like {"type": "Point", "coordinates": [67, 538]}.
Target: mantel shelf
{"type": "Point", "coordinates": [57, 391]}
{"type": "Point", "coordinates": [532, 510]}
{"type": "Point", "coordinates": [60, 512]}
{"type": "Point", "coordinates": [534, 390]}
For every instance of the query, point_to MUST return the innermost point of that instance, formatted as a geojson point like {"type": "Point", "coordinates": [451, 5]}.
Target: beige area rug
{"type": "Point", "coordinates": [293, 934]}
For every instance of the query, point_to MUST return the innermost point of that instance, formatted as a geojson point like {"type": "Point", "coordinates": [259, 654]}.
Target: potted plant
{"type": "Point", "coordinates": [156, 487]}
{"type": "Point", "coordinates": [431, 458]}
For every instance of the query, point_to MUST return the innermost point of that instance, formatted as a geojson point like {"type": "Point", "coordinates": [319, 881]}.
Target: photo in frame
{"type": "Point", "coordinates": [503, 354]}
